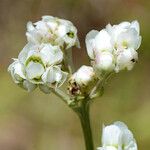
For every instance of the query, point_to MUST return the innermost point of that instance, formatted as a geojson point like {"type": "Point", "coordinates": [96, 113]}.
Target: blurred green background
{"type": "Point", "coordinates": [35, 121]}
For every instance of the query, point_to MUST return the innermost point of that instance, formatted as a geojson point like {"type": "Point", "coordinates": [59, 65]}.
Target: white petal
{"type": "Point", "coordinates": [34, 70]}
{"type": "Point", "coordinates": [127, 138]}
{"type": "Point", "coordinates": [48, 18]}
{"type": "Point", "coordinates": [62, 30]}
{"type": "Point", "coordinates": [51, 54]}
{"type": "Point", "coordinates": [104, 61]}
{"type": "Point", "coordinates": [116, 30]}
{"type": "Point", "coordinates": [121, 125]}
{"type": "Point", "coordinates": [53, 25]}
{"type": "Point", "coordinates": [111, 148]}
{"type": "Point", "coordinates": [135, 25]}
{"type": "Point", "coordinates": [67, 33]}
{"type": "Point", "coordinates": [32, 34]}
{"type": "Point", "coordinates": [100, 148]}
{"type": "Point", "coordinates": [17, 71]}
{"type": "Point", "coordinates": [131, 146]}
{"type": "Point", "coordinates": [124, 24]}
{"type": "Point", "coordinates": [126, 59]}
{"type": "Point", "coordinates": [130, 38]}
{"type": "Point", "coordinates": [103, 41]}
{"type": "Point", "coordinates": [24, 53]}
{"type": "Point", "coordinates": [41, 26]}
{"type": "Point", "coordinates": [118, 136]}
{"type": "Point", "coordinates": [107, 148]}
{"type": "Point", "coordinates": [30, 26]}
{"type": "Point", "coordinates": [64, 76]}
{"type": "Point", "coordinates": [54, 76]}
{"type": "Point", "coordinates": [90, 37]}
{"type": "Point", "coordinates": [84, 75]}
{"type": "Point", "coordinates": [111, 136]}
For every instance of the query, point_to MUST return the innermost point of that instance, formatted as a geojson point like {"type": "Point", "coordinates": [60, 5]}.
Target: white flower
{"type": "Point", "coordinates": [37, 58]}
{"type": "Point", "coordinates": [125, 35]}
{"type": "Point", "coordinates": [114, 48]}
{"type": "Point", "coordinates": [54, 76]}
{"type": "Point", "coordinates": [117, 137]}
{"type": "Point", "coordinates": [99, 49]}
{"type": "Point", "coordinates": [38, 65]}
{"type": "Point", "coordinates": [53, 30]}
{"type": "Point", "coordinates": [126, 59]}
{"type": "Point", "coordinates": [104, 61]}
{"type": "Point", "coordinates": [17, 71]}
{"type": "Point", "coordinates": [98, 41]}
{"type": "Point", "coordinates": [67, 34]}
{"type": "Point", "coordinates": [82, 80]}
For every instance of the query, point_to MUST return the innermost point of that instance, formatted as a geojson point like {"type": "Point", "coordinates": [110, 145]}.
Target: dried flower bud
{"type": "Point", "coordinates": [82, 81]}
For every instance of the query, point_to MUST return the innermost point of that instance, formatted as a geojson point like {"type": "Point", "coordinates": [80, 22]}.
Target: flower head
{"type": "Point", "coordinates": [125, 35]}
{"type": "Point", "coordinates": [117, 137]}
{"type": "Point", "coordinates": [115, 47]}
{"type": "Point", "coordinates": [53, 30]}
{"type": "Point", "coordinates": [37, 58]}
{"type": "Point", "coordinates": [39, 65]}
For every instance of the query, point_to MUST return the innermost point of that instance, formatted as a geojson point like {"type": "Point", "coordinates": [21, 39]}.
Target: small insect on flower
{"type": "Point", "coordinates": [114, 48]}
{"type": "Point", "coordinates": [117, 137]}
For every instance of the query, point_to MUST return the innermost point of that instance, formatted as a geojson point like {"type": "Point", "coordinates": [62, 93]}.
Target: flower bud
{"type": "Point", "coordinates": [82, 81]}
{"type": "Point", "coordinates": [117, 136]}
{"type": "Point", "coordinates": [104, 62]}
{"type": "Point", "coordinates": [97, 42]}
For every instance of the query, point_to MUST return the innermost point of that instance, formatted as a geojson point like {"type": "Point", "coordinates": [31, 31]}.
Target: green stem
{"type": "Point", "coordinates": [63, 96]}
{"type": "Point", "coordinates": [83, 113]}
{"type": "Point", "coordinates": [68, 61]}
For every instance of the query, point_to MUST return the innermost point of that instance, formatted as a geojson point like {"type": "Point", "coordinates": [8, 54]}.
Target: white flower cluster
{"type": "Point", "coordinates": [40, 61]}
{"type": "Point", "coordinates": [54, 31]}
{"type": "Point", "coordinates": [115, 47]}
{"type": "Point", "coordinates": [117, 137]}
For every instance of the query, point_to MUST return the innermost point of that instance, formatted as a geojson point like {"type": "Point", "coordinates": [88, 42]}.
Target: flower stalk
{"type": "Point", "coordinates": [84, 116]}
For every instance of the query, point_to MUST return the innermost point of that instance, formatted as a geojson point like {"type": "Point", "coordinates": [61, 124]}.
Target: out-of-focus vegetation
{"type": "Point", "coordinates": [35, 121]}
